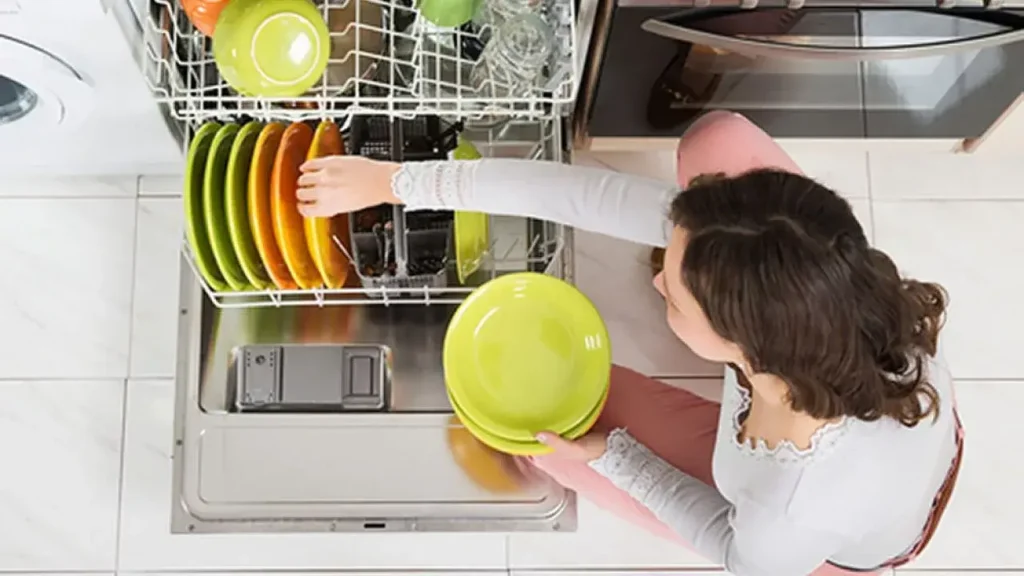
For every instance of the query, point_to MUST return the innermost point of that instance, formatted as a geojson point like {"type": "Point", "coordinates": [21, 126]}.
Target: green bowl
{"type": "Point", "coordinates": [271, 48]}
{"type": "Point", "coordinates": [448, 13]}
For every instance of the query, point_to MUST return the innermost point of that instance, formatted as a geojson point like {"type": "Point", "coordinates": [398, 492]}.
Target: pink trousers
{"type": "Point", "coordinates": [677, 425]}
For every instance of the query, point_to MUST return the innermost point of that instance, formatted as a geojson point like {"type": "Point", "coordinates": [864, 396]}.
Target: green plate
{"type": "Point", "coordinates": [195, 225]}
{"type": "Point", "coordinates": [236, 204]}
{"type": "Point", "coordinates": [526, 353]}
{"type": "Point", "coordinates": [214, 180]}
{"type": "Point", "coordinates": [533, 447]}
{"type": "Point", "coordinates": [471, 228]}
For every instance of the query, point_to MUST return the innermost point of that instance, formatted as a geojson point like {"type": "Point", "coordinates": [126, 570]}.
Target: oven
{"type": "Point", "coordinates": [895, 69]}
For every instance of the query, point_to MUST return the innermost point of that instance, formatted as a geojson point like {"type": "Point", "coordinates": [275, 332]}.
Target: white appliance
{"type": "Point", "coordinates": [72, 98]}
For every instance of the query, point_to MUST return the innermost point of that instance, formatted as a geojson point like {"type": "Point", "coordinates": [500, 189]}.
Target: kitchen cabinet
{"type": "Point", "coordinates": [603, 542]}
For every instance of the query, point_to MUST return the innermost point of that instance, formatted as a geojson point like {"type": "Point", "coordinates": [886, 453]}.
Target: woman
{"type": "Point", "coordinates": [836, 443]}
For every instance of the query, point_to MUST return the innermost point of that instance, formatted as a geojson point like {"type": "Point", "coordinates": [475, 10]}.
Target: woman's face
{"type": "Point", "coordinates": [684, 315]}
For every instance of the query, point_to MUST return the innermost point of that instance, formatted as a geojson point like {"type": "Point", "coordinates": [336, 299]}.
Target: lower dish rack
{"type": "Point", "coordinates": [401, 257]}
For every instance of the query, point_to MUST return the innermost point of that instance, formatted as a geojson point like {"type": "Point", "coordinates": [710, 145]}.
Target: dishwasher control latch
{"type": "Point", "coordinates": [311, 378]}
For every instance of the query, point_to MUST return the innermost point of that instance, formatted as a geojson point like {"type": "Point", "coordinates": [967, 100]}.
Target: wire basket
{"type": "Point", "coordinates": [516, 244]}
{"type": "Point", "coordinates": [393, 62]}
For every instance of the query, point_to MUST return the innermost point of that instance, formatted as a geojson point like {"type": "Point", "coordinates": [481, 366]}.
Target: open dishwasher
{"type": "Point", "coordinates": [325, 409]}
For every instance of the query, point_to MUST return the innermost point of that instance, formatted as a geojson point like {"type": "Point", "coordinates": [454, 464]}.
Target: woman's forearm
{"type": "Point", "coordinates": [628, 207]}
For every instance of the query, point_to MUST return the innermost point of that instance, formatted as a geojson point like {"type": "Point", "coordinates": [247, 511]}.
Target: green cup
{"type": "Point", "coordinates": [271, 48]}
{"type": "Point", "coordinates": [448, 13]}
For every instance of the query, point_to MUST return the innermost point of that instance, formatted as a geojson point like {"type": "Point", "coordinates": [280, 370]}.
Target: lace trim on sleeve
{"type": "Point", "coordinates": [631, 466]}
{"type": "Point", "coordinates": [439, 184]}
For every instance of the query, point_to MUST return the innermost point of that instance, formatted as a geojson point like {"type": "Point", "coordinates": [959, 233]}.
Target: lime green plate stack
{"type": "Point", "coordinates": [526, 353]}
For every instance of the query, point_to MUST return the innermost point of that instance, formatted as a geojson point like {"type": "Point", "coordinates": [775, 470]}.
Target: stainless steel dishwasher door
{"type": "Point", "coordinates": [393, 469]}
{"type": "Point", "coordinates": [336, 417]}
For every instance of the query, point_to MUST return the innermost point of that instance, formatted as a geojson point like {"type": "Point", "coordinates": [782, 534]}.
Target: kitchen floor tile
{"type": "Point", "coordinates": [61, 453]}
{"type": "Point", "coordinates": [68, 186]}
{"type": "Point", "coordinates": [981, 527]}
{"type": "Point", "coordinates": [657, 164]}
{"type": "Point", "coordinates": [147, 545]}
{"type": "Point", "coordinates": [341, 571]}
{"type": "Point", "coordinates": [944, 177]}
{"type": "Point", "coordinates": [968, 247]}
{"type": "Point", "coordinates": [846, 173]}
{"type": "Point", "coordinates": [570, 572]}
{"type": "Point", "coordinates": [161, 185]}
{"type": "Point", "coordinates": [66, 285]}
{"type": "Point", "coordinates": [602, 542]}
{"type": "Point", "coordinates": [155, 294]}
{"type": "Point", "coordinates": [616, 275]}
{"type": "Point", "coordinates": [918, 572]}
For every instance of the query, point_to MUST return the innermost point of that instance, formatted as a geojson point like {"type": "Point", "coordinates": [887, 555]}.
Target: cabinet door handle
{"type": "Point", "coordinates": [768, 49]}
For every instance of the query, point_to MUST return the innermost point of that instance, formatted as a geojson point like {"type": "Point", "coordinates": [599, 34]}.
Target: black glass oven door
{"type": "Point", "coordinates": [827, 72]}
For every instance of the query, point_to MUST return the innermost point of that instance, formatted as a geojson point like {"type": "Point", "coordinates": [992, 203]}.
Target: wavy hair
{"type": "Point", "coordinates": [782, 268]}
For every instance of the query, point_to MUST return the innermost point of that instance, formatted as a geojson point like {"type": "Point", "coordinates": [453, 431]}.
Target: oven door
{"type": "Point", "coordinates": [829, 71]}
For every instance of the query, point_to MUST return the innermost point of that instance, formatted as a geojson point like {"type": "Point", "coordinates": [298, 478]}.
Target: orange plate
{"type": "Point", "coordinates": [284, 208]}
{"type": "Point", "coordinates": [203, 13]}
{"type": "Point", "coordinates": [320, 232]}
{"type": "Point", "coordinates": [259, 206]}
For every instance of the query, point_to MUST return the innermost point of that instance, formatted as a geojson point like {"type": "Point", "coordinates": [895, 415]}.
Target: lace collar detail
{"type": "Point", "coordinates": [786, 452]}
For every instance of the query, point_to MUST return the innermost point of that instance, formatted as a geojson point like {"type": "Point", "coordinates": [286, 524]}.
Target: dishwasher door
{"type": "Point", "coordinates": [327, 411]}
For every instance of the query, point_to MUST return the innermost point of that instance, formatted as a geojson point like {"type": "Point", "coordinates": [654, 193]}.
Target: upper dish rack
{"type": "Point", "coordinates": [420, 69]}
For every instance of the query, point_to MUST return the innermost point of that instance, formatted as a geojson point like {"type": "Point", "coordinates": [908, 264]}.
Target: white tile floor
{"type": "Point", "coordinates": [88, 314]}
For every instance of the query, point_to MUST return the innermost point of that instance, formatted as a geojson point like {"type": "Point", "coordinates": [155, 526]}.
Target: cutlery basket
{"type": "Point", "coordinates": [393, 249]}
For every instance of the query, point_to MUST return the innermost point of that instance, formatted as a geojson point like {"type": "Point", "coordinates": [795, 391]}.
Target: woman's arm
{"type": "Point", "coordinates": [603, 201]}
{"type": "Point", "coordinates": [748, 539]}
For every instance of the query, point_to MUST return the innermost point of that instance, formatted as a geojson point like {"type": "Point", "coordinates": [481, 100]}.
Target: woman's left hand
{"type": "Point", "coordinates": [585, 449]}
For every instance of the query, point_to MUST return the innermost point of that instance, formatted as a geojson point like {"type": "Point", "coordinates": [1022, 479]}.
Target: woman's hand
{"type": "Point", "coordinates": [586, 449]}
{"type": "Point", "coordinates": [339, 184]}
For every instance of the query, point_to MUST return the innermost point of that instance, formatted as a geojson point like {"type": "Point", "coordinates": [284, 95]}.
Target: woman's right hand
{"type": "Point", "coordinates": [339, 184]}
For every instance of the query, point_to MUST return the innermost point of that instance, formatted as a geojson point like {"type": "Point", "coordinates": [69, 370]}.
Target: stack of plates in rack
{"type": "Point", "coordinates": [526, 353]}
{"type": "Point", "coordinates": [241, 212]}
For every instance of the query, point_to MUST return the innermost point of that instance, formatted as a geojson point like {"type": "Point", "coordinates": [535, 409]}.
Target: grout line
{"type": "Point", "coordinates": [134, 287]}
{"type": "Point", "coordinates": [60, 379]}
{"type": "Point", "coordinates": [291, 571]}
{"type": "Point", "coordinates": [66, 197]}
{"type": "Point", "coordinates": [120, 478]}
{"type": "Point", "coordinates": [508, 555]}
{"type": "Point", "coordinates": [947, 200]}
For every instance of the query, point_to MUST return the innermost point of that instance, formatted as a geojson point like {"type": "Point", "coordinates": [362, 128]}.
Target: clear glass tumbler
{"type": "Point", "coordinates": [514, 57]}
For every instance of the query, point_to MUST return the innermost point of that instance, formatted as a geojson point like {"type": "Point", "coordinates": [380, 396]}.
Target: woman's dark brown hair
{"type": "Point", "coordinates": [781, 267]}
